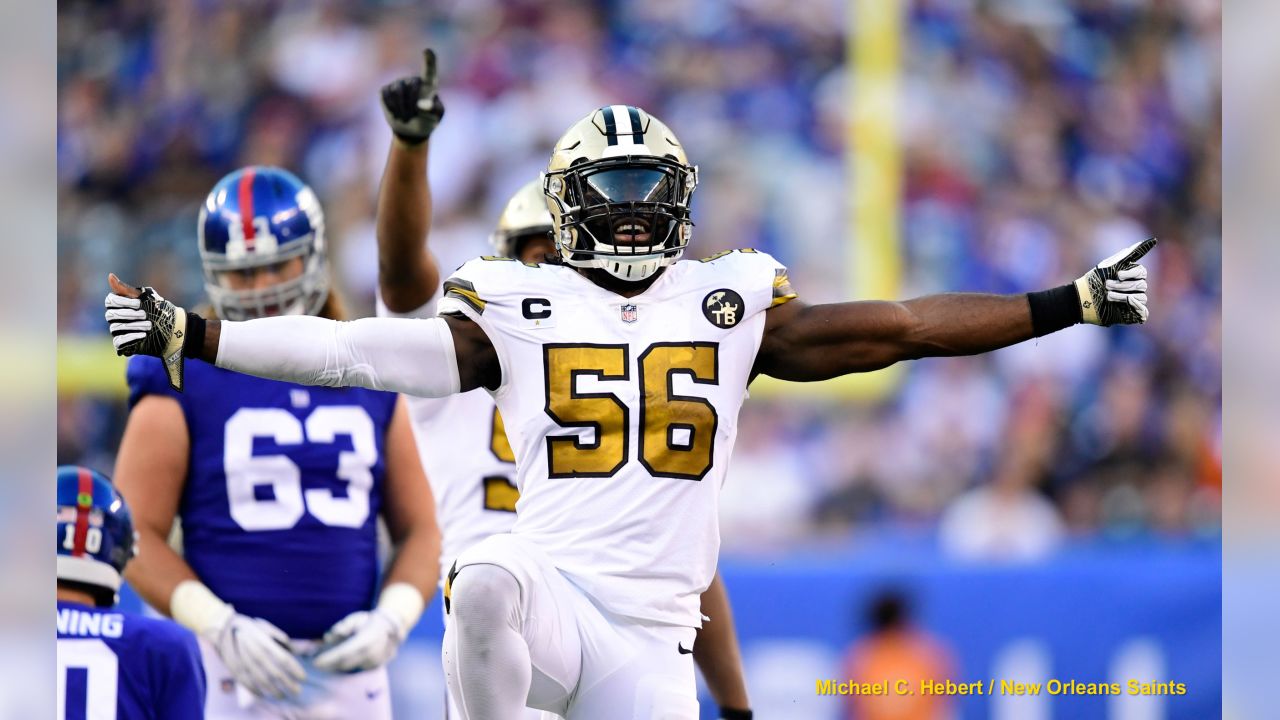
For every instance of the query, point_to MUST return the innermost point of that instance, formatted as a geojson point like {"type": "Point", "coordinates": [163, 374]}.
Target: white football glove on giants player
{"type": "Point", "coordinates": [255, 651]}
{"type": "Point", "coordinates": [1115, 291]}
{"type": "Point", "coordinates": [368, 639]}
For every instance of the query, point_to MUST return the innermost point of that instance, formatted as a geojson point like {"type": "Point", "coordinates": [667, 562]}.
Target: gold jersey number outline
{"type": "Point", "coordinates": [663, 413]}
{"type": "Point", "coordinates": [500, 493]}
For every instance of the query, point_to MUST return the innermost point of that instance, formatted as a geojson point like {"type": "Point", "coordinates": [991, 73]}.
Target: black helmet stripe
{"type": "Point", "coordinates": [610, 126]}
{"type": "Point", "coordinates": [628, 118]}
{"type": "Point", "coordinates": [637, 132]}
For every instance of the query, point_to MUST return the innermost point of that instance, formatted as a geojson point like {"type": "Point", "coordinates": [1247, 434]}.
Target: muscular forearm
{"type": "Point", "coordinates": [716, 650]}
{"type": "Point", "coordinates": [157, 570]}
{"type": "Point", "coordinates": [407, 276]}
{"type": "Point", "coordinates": [409, 356]}
{"type": "Point", "coordinates": [417, 561]}
{"type": "Point", "coordinates": [965, 324]}
{"type": "Point", "coordinates": [819, 342]}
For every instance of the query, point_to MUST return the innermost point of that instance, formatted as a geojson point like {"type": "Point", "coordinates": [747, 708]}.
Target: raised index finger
{"type": "Point", "coordinates": [1137, 251]}
{"type": "Point", "coordinates": [429, 67]}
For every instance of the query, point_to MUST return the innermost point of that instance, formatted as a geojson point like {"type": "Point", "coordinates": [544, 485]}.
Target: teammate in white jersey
{"type": "Point", "coordinates": [461, 438]}
{"type": "Point", "coordinates": [620, 372]}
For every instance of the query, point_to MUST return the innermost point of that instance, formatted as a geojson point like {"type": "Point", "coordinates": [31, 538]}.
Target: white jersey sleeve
{"type": "Point", "coordinates": [401, 355]}
{"type": "Point", "coordinates": [764, 279]}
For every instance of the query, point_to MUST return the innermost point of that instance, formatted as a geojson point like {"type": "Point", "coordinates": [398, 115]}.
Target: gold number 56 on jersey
{"type": "Point", "coordinates": [677, 432]}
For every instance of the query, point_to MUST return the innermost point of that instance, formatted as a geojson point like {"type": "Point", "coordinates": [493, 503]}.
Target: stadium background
{"type": "Point", "coordinates": [1050, 510]}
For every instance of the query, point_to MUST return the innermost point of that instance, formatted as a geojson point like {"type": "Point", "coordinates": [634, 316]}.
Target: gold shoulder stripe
{"type": "Point", "coordinates": [722, 253]}
{"type": "Point", "coordinates": [466, 292]}
{"type": "Point", "coordinates": [500, 258]}
{"type": "Point", "coordinates": [782, 291]}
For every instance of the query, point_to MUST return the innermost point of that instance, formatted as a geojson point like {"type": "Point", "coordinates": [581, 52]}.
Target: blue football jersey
{"type": "Point", "coordinates": [283, 490]}
{"type": "Point", "coordinates": [119, 665]}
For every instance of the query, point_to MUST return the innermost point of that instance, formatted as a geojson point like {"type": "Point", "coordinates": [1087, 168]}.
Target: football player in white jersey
{"type": "Point", "coordinates": [620, 372]}
{"type": "Point", "coordinates": [461, 439]}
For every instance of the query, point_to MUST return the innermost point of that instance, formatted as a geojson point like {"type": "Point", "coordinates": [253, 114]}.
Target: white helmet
{"type": "Point", "coordinates": [618, 188]}
{"type": "Point", "coordinates": [525, 215]}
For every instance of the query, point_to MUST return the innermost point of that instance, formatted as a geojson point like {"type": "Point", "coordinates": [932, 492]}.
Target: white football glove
{"type": "Point", "coordinates": [255, 651]}
{"type": "Point", "coordinates": [143, 323]}
{"type": "Point", "coordinates": [1115, 291]}
{"type": "Point", "coordinates": [369, 639]}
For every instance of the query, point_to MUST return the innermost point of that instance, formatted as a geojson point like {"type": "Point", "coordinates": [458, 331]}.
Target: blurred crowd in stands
{"type": "Point", "coordinates": [1037, 139]}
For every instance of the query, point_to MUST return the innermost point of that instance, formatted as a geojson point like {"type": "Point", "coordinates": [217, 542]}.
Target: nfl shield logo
{"type": "Point", "coordinates": [629, 313]}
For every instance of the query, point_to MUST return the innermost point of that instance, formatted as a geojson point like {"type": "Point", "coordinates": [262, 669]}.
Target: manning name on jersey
{"type": "Point", "coordinates": [119, 665]}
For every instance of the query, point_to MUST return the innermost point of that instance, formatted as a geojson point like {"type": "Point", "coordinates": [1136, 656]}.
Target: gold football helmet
{"type": "Point", "coordinates": [618, 188]}
{"type": "Point", "coordinates": [525, 215]}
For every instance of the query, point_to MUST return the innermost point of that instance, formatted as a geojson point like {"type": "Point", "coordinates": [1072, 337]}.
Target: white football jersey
{"type": "Point", "coordinates": [623, 412]}
{"type": "Point", "coordinates": [468, 462]}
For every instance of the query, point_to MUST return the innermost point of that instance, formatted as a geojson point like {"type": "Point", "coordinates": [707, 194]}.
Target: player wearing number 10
{"type": "Point", "coordinates": [620, 372]}
{"type": "Point", "coordinates": [113, 664]}
{"type": "Point", "coordinates": [278, 487]}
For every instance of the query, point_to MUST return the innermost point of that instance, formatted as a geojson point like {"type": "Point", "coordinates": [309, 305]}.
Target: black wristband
{"type": "Point", "coordinates": [732, 714]}
{"type": "Point", "coordinates": [1054, 309]}
{"type": "Point", "coordinates": [193, 343]}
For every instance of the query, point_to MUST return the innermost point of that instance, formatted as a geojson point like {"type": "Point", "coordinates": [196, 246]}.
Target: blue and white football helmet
{"type": "Point", "coordinates": [260, 216]}
{"type": "Point", "coordinates": [95, 529]}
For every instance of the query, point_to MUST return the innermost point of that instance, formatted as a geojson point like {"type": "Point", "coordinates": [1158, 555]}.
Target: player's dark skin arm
{"type": "Point", "coordinates": [407, 274]}
{"type": "Point", "coordinates": [477, 360]}
{"type": "Point", "coordinates": [805, 343]}
{"type": "Point", "coordinates": [716, 650]}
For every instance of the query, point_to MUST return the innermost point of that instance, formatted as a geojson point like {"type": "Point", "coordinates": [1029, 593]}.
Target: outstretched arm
{"type": "Point", "coordinates": [716, 653]}
{"type": "Point", "coordinates": [424, 357]}
{"type": "Point", "coordinates": [407, 274]}
{"type": "Point", "coordinates": [817, 342]}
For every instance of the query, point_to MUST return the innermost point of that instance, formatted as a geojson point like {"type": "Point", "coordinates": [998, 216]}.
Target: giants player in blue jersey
{"type": "Point", "coordinates": [113, 664]}
{"type": "Point", "coordinates": [278, 487]}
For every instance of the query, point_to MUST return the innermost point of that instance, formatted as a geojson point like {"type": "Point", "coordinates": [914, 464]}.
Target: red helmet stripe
{"type": "Point", "coordinates": [245, 191]}
{"type": "Point", "coordinates": [84, 501]}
